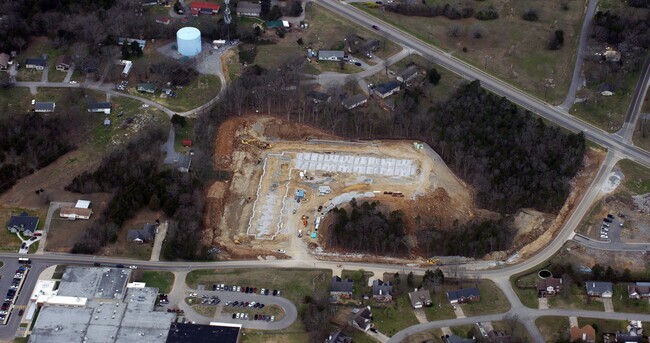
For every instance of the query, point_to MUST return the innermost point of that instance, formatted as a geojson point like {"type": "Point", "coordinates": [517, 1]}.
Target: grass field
{"type": "Point", "coordinates": [637, 177]}
{"type": "Point", "coordinates": [553, 329]}
{"type": "Point", "coordinates": [15, 100]}
{"type": "Point", "coordinates": [577, 300]}
{"type": "Point", "coordinates": [198, 92]}
{"type": "Point", "coordinates": [641, 136]}
{"type": "Point", "coordinates": [492, 300]}
{"type": "Point", "coordinates": [395, 316]}
{"type": "Point", "coordinates": [517, 55]}
{"type": "Point", "coordinates": [360, 278]}
{"type": "Point", "coordinates": [160, 279]}
{"type": "Point", "coordinates": [9, 241]}
{"type": "Point", "coordinates": [36, 48]}
{"type": "Point", "coordinates": [523, 287]}
{"type": "Point", "coordinates": [622, 303]}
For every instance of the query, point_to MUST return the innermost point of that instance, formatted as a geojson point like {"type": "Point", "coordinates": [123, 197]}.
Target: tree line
{"type": "Point", "coordinates": [29, 142]}
{"type": "Point", "coordinates": [449, 11]}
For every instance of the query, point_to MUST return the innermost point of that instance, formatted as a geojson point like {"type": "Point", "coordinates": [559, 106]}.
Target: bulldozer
{"type": "Point", "coordinates": [433, 261]}
{"type": "Point", "coordinates": [255, 142]}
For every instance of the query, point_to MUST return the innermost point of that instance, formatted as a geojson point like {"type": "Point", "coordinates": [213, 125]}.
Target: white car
{"type": "Point", "coordinates": [145, 105]}
{"type": "Point", "coordinates": [282, 251]}
{"type": "Point", "coordinates": [272, 318]}
{"type": "Point", "coordinates": [238, 288]}
{"type": "Point", "coordinates": [73, 82]}
{"type": "Point", "coordinates": [238, 315]}
{"type": "Point", "coordinates": [133, 267]}
{"type": "Point", "coordinates": [245, 316]}
{"type": "Point", "coordinates": [193, 295]}
{"type": "Point", "coordinates": [252, 304]}
{"type": "Point", "coordinates": [603, 236]}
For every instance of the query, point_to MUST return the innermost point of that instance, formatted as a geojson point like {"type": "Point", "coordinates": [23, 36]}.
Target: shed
{"type": "Point", "coordinates": [248, 9]}
{"type": "Point", "coordinates": [146, 87]}
{"type": "Point", "coordinates": [82, 204]}
{"type": "Point", "coordinates": [100, 107]}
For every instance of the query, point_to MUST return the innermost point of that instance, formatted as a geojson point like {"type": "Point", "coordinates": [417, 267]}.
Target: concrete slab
{"type": "Point", "coordinates": [609, 305]}
{"type": "Point", "coordinates": [420, 315]}
{"type": "Point", "coordinates": [459, 312]}
{"type": "Point", "coordinates": [542, 304]}
{"type": "Point", "coordinates": [573, 321]}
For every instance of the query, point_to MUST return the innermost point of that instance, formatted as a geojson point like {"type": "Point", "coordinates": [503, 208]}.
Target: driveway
{"type": "Point", "coordinates": [46, 228]}
{"type": "Point", "coordinates": [290, 311]}
{"type": "Point", "coordinates": [171, 156]}
{"type": "Point", "coordinates": [157, 244]}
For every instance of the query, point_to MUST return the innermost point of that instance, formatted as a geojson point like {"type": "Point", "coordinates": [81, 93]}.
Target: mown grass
{"type": "Point", "coordinates": [162, 280]}
{"type": "Point", "coordinates": [553, 329]}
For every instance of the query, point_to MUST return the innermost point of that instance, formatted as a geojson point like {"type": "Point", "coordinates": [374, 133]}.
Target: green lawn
{"type": "Point", "coordinates": [577, 300]}
{"type": "Point", "coordinates": [160, 279]}
{"type": "Point", "coordinates": [464, 331]}
{"type": "Point", "coordinates": [198, 92]}
{"type": "Point", "coordinates": [516, 55]}
{"type": "Point", "coordinates": [360, 278]}
{"type": "Point", "coordinates": [184, 132]}
{"type": "Point", "coordinates": [492, 300]}
{"type": "Point", "coordinates": [441, 308]}
{"type": "Point", "coordinates": [9, 241]}
{"type": "Point", "coordinates": [36, 48]}
{"type": "Point", "coordinates": [15, 100]}
{"type": "Point", "coordinates": [447, 85]}
{"type": "Point", "coordinates": [553, 329]}
{"type": "Point", "coordinates": [25, 74]}
{"type": "Point", "coordinates": [602, 325]}
{"type": "Point", "coordinates": [622, 303]}
{"type": "Point", "coordinates": [394, 317]}
{"type": "Point", "coordinates": [637, 177]}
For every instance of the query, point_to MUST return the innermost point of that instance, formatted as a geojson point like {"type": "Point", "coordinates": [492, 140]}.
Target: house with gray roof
{"type": "Point", "coordinates": [248, 9]}
{"type": "Point", "coordinates": [23, 223]}
{"type": "Point", "coordinates": [184, 163]}
{"type": "Point", "coordinates": [385, 90]}
{"type": "Point", "coordinates": [4, 61]}
{"type": "Point", "coordinates": [318, 97]}
{"type": "Point", "coordinates": [354, 101]}
{"type": "Point", "coordinates": [100, 107]}
{"type": "Point", "coordinates": [146, 234]}
{"type": "Point", "coordinates": [464, 295]}
{"type": "Point", "coordinates": [341, 288]}
{"type": "Point", "coordinates": [361, 318]}
{"type": "Point", "coordinates": [599, 289]}
{"type": "Point", "coordinates": [382, 291]}
{"type": "Point", "coordinates": [43, 107]}
{"type": "Point", "coordinates": [407, 74]}
{"type": "Point", "coordinates": [331, 55]}
{"type": "Point", "coordinates": [420, 298]}
{"type": "Point", "coordinates": [38, 63]}
{"type": "Point", "coordinates": [639, 290]}
{"type": "Point", "coordinates": [338, 337]}
{"type": "Point", "coordinates": [458, 339]}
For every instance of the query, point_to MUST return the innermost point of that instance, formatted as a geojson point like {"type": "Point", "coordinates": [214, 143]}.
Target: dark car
{"type": "Point", "coordinates": [256, 316]}
{"type": "Point", "coordinates": [20, 313]}
{"type": "Point", "coordinates": [375, 27]}
{"type": "Point", "coordinates": [234, 315]}
{"type": "Point", "coordinates": [214, 287]}
{"type": "Point", "coordinates": [275, 292]}
{"type": "Point", "coordinates": [358, 64]}
{"type": "Point", "coordinates": [261, 306]}
{"type": "Point", "coordinates": [246, 304]}
{"type": "Point", "coordinates": [97, 264]}
{"type": "Point", "coordinates": [379, 2]}
{"type": "Point", "coordinates": [267, 292]}
{"type": "Point", "coordinates": [119, 265]}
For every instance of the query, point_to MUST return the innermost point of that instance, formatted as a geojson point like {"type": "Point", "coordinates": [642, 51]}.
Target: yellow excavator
{"type": "Point", "coordinates": [433, 261]}
{"type": "Point", "coordinates": [257, 143]}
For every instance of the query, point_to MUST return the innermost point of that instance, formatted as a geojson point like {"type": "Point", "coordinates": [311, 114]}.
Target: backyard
{"type": "Point", "coordinates": [15, 100]}
{"type": "Point", "coordinates": [198, 92]}
{"type": "Point", "coordinates": [553, 329]}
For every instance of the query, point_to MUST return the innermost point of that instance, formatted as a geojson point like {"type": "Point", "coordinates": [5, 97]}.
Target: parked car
{"type": "Point", "coordinates": [234, 315]}
{"type": "Point", "coordinates": [272, 318]}
{"type": "Point", "coordinates": [119, 265]}
{"type": "Point", "coordinates": [133, 267]}
{"type": "Point", "coordinates": [261, 306]}
{"type": "Point", "coordinates": [97, 264]}
{"type": "Point", "coordinates": [20, 313]}
{"type": "Point", "coordinates": [238, 315]}
{"type": "Point", "coordinates": [375, 27]}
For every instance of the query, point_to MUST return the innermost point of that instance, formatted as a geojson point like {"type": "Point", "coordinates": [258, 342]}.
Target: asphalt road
{"type": "Point", "coordinates": [582, 44]}
{"type": "Point", "coordinates": [495, 85]}
{"type": "Point", "coordinates": [611, 246]}
{"type": "Point", "coordinates": [638, 98]}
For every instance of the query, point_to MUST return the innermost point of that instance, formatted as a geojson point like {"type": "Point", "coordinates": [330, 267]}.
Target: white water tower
{"type": "Point", "coordinates": [188, 40]}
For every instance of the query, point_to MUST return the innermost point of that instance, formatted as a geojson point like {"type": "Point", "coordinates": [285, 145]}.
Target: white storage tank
{"type": "Point", "coordinates": [189, 41]}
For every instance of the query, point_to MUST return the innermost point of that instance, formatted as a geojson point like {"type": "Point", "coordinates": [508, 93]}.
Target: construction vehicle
{"type": "Point", "coordinates": [257, 143]}
{"type": "Point", "coordinates": [433, 260]}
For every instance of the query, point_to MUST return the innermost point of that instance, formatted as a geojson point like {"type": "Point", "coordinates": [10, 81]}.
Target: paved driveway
{"type": "Point", "coordinates": [46, 228]}
{"type": "Point", "coordinates": [290, 311]}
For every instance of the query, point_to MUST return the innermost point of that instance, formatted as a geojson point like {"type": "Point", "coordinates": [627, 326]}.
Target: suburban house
{"type": "Point", "coordinates": [464, 295]}
{"type": "Point", "coordinates": [407, 74]}
{"type": "Point", "coordinates": [36, 63]}
{"type": "Point", "coordinates": [548, 287]}
{"type": "Point", "coordinates": [187, 142]}
{"type": "Point", "coordinates": [361, 318]}
{"type": "Point", "coordinates": [75, 213]}
{"type": "Point", "coordinates": [338, 337]}
{"type": "Point", "coordinates": [584, 334]}
{"type": "Point", "coordinates": [639, 290]}
{"type": "Point", "coordinates": [331, 55]}
{"type": "Point", "coordinates": [248, 9]}
{"type": "Point", "coordinates": [23, 223]}
{"type": "Point", "coordinates": [63, 63]}
{"type": "Point", "coordinates": [382, 291]}
{"type": "Point", "coordinates": [4, 61]}
{"type": "Point", "coordinates": [149, 2]}
{"type": "Point", "coordinates": [458, 339]}
{"type": "Point", "coordinates": [100, 107]}
{"type": "Point", "coordinates": [146, 87]}
{"type": "Point", "coordinates": [147, 234]}
{"type": "Point", "coordinates": [184, 163]}
{"type": "Point", "coordinates": [199, 7]}
{"type": "Point", "coordinates": [142, 43]}
{"type": "Point", "coordinates": [341, 288]}
{"type": "Point", "coordinates": [385, 90]}
{"type": "Point", "coordinates": [371, 45]}
{"type": "Point", "coordinates": [632, 333]}
{"type": "Point", "coordinates": [599, 289]}
{"type": "Point", "coordinates": [420, 298]}
{"type": "Point", "coordinates": [354, 101]}
{"type": "Point", "coordinates": [127, 67]}
{"type": "Point", "coordinates": [43, 107]}
{"type": "Point", "coordinates": [495, 336]}
{"type": "Point", "coordinates": [318, 97]}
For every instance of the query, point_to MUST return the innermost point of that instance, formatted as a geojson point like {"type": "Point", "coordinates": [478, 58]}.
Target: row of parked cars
{"type": "Point", "coordinates": [248, 290]}
{"type": "Point", "coordinates": [12, 293]}
{"type": "Point", "coordinates": [245, 316]}
{"type": "Point", "coordinates": [604, 228]}
{"type": "Point", "coordinates": [244, 304]}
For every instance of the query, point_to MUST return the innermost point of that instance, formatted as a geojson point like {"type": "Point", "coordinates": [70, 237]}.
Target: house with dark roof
{"type": "Point", "coordinates": [548, 287]}
{"type": "Point", "coordinates": [200, 7]}
{"type": "Point", "coordinates": [149, 2]}
{"type": "Point", "coordinates": [420, 298]}
{"type": "Point", "coordinates": [141, 42]}
{"type": "Point", "coordinates": [464, 295]}
{"type": "Point", "coordinates": [318, 97]}
{"type": "Point", "coordinates": [341, 288]}
{"type": "Point", "coordinates": [146, 87]}
{"type": "Point", "coordinates": [4, 61]}
{"type": "Point", "coordinates": [407, 74]}
{"type": "Point", "coordinates": [215, 332]}
{"type": "Point", "coordinates": [385, 90]}
{"type": "Point", "coordinates": [248, 9]}
{"type": "Point", "coordinates": [495, 336]}
{"type": "Point", "coordinates": [100, 107]}
{"type": "Point", "coordinates": [63, 63]}
{"type": "Point", "coordinates": [458, 339]}
{"type": "Point", "coordinates": [338, 337]}
{"type": "Point", "coordinates": [599, 289]}
{"type": "Point", "coordinates": [331, 55]}
{"type": "Point", "coordinates": [43, 107]}
{"type": "Point", "coordinates": [585, 334]}
{"type": "Point", "coordinates": [23, 223]}
{"type": "Point", "coordinates": [38, 63]}
{"type": "Point", "coordinates": [361, 319]}
{"type": "Point", "coordinates": [354, 101]}
{"type": "Point", "coordinates": [184, 163]}
{"type": "Point", "coordinates": [382, 291]}
{"type": "Point", "coordinates": [638, 290]}
{"type": "Point", "coordinates": [146, 234]}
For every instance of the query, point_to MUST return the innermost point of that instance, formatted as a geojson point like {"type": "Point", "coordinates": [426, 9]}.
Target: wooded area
{"type": "Point", "coordinates": [29, 142]}
{"type": "Point", "coordinates": [367, 229]}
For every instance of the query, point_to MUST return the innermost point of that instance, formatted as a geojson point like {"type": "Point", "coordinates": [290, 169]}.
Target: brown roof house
{"type": "Point", "coordinates": [495, 336]}
{"type": "Point", "coordinates": [361, 318]}
{"type": "Point", "coordinates": [75, 213]}
{"type": "Point", "coordinates": [63, 63]}
{"type": "Point", "coordinates": [584, 334]}
{"type": "Point", "coordinates": [548, 287]}
{"type": "Point", "coordinates": [420, 298]}
{"type": "Point", "coordinates": [639, 290]}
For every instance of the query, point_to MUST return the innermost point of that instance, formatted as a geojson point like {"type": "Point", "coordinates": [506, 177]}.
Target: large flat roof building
{"type": "Point", "coordinates": [215, 332]}
{"type": "Point", "coordinates": [108, 284]}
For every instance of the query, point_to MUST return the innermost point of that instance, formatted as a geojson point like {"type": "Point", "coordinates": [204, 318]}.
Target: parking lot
{"type": "Point", "coordinates": [248, 303]}
{"type": "Point", "coordinates": [610, 228]}
{"type": "Point", "coordinates": [11, 289]}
